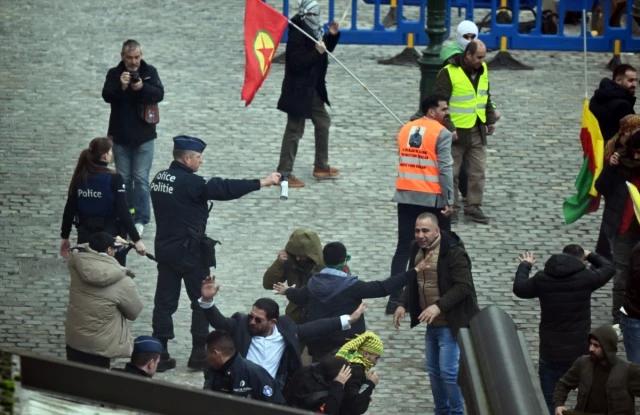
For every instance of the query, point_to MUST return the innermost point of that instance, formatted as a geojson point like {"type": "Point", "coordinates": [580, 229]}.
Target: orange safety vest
{"type": "Point", "coordinates": [418, 167]}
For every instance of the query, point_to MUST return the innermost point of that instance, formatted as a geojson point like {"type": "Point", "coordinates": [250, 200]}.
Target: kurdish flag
{"type": "Point", "coordinates": [263, 28]}
{"type": "Point", "coordinates": [635, 198]}
{"type": "Point", "coordinates": [586, 199]}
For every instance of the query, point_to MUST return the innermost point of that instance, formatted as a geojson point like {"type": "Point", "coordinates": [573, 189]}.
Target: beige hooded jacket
{"type": "Point", "coordinates": [101, 300]}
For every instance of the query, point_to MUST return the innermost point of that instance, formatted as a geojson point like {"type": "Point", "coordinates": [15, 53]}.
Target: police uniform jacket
{"type": "Point", "coordinates": [98, 204]}
{"type": "Point", "coordinates": [238, 326]}
{"type": "Point", "coordinates": [181, 210]}
{"type": "Point", "coordinates": [126, 124]}
{"type": "Point", "coordinates": [241, 377]}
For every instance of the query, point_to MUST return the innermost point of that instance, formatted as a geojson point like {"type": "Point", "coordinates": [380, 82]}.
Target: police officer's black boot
{"type": "Point", "coordinates": [198, 357]}
{"type": "Point", "coordinates": [166, 361]}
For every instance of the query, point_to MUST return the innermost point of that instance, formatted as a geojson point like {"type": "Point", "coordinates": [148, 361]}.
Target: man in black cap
{"type": "Point", "coordinates": [334, 291]}
{"type": "Point", "coordinates": [180, 204]}
{"type": "Point", "coordinates": [145, 357]}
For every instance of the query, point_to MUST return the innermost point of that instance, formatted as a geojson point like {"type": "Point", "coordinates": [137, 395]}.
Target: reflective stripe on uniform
{"type": "Point", "coordinates": [417, 160]}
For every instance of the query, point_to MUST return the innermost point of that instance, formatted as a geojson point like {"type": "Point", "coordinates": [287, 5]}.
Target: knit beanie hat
{"type": "Point", "coordinates": [352, 350]}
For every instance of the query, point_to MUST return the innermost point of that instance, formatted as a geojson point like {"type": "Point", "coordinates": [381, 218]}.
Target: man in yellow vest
{"type": "Point", "coordinates": [465, 83]}
{"type": "Point", "coordinates": [425, 178]}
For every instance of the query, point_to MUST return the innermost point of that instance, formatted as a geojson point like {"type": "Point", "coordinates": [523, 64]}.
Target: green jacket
{"type": "Point", "coordinates": [302, 242]}
{"type": "Point", "coordinates": [622, 385]}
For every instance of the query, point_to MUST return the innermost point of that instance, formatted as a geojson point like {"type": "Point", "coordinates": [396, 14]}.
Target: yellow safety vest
{"type": "Point", "coordinates": [418, 168]}
{"type": "Point", "coordinates": [466, 103]}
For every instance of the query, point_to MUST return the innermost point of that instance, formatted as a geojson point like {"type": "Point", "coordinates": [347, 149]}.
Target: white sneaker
{"type": "Point", "coordinates": [139, 228]}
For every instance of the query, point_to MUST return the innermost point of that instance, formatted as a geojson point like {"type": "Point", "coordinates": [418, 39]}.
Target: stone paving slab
{"type": "Point", "coordinates": [54, 59]}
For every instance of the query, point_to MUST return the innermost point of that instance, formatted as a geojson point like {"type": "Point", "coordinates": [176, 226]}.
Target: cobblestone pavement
{"type": "Point", "coordinates": [54, 59]}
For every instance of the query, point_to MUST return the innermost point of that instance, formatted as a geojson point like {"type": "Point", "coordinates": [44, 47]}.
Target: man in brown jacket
{"type": "Point", "coordinates": [606, 383]}
{"type": "Point", "coordinates": [102, 297]}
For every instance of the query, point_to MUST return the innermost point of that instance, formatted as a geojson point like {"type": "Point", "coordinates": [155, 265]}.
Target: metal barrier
{"type": "Point", "coordinates": [496, 373]}
{"type": "Point", "coordinates": [407, 31]}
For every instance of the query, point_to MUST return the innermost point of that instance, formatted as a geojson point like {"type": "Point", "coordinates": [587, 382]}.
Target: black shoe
{"type": "Point", "coordinates": [166, 363]}
{"type": "Point", "coordinates": [197, 359]}
{"type": "Point", "coordinates": [475, 214]}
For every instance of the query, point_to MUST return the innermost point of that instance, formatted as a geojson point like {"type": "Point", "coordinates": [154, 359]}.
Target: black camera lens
{"type": "Point", "coordinates": [135, 76]}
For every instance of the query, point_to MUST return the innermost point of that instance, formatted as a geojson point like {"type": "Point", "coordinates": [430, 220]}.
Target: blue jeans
{"type": "Point", "coordinates": [443, 356]}
{"type": "Point", "coordinates": [631, 333]}
{"type": "Point", "coordinates": [550, 373]}
{"type": "Point", "coordinates": [134, 164]}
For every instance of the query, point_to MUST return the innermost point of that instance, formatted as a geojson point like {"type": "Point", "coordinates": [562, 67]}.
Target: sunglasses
{"type": "Point", "coordinates": [258, 320]}
{"type": "Point", "coordinates": [469, 36]}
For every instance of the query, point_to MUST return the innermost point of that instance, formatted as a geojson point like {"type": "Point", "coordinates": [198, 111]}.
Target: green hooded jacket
{"type": "Point", "coordinates": [303, 243]}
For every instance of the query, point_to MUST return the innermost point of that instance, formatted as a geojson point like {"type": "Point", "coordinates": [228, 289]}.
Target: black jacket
{"type": "Point", "coordinates": [238, 326]}
{"type": "Point", "coordinates": [612, 186]}
{"type": "Point", "coordinates": [132, 369]}
{"type": "Point", "coordinates": [309, 389]}
{"type": "Point", "coordinates": [357, 392]}
{"type": "Point", "coordinates": [180, 205]}
{"type": "Point", "coordinates": [304, 71]}
{"type": "Point", "coordinates": [457, 293]}
{"type": "Point", "coordinates": [611, 102]}
{"type": "Point", "coordinates": [632, 291]}
{"type": "Point", "coordinates": [332, 293]}
{"type": "Point", "coordinates": [241, 377]}
{"type": "Point", "coordinates": [564, 289]}
{"type": "Point", "coordinates": [126, 125]}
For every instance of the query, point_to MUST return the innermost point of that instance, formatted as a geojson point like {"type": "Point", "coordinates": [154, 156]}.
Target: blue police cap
{"type": "Point", "coordinates": [185, 142]}
{"type": "Point", "coordinates": [147, 344]}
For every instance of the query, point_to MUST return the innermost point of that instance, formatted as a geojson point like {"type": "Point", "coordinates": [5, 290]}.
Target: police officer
{"type": "Point", "coordinates": [97, 200]}
{"type": "Point", "coordinates": [233, 374]}
{"type": "Point", "coordinates": [180, 203]}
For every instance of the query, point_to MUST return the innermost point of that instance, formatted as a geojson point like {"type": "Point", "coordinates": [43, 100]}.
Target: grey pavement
{"type": "Point", "coordinates": [54, 59]}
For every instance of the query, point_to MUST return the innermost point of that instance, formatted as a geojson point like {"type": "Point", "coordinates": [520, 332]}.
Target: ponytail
{"type": "Point", "coordinates": [89, 161]}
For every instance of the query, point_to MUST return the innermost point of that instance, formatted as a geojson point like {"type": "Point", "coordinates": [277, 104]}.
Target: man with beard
{"type": "Point", "coordinates": [266, 338]}
{"type": "Point", "coordinates": [606, 383]}
{"type": "Point", "coordinates": [295, 264]}
{"type": "Point", "coordinates": [613, 99]}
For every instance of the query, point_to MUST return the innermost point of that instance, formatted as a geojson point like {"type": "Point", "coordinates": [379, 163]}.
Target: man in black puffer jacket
{"type": "Point", "coordinates": [564, 289]}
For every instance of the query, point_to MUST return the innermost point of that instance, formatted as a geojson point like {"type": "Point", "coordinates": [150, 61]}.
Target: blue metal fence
{"type": "Point", "coordinates": [375, 33]}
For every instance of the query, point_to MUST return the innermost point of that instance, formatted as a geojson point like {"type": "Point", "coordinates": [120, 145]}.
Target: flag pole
{"type": "Point", "coordinates": [366, 88]}
{"type": "Point", "coordinates": [584, 47]}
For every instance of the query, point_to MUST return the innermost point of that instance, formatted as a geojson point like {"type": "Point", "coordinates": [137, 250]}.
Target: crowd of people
{"type": "Point", "coordinates": [319, 355]}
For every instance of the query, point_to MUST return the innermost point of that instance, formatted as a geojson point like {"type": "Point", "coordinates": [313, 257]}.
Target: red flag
{"type": "Point", "coordinates": [263, 27]}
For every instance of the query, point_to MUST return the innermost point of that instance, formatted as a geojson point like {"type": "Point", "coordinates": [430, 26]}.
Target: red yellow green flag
{"type": "Point", "coordinates": [586, 199]}
{"type": "Point", "coordinates": [263, 28]}
{"type": "Point", "coordinates": [635, 198]}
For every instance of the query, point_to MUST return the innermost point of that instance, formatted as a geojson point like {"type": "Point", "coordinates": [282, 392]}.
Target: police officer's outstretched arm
{"type": "Point", "coordinates": [229, 189]}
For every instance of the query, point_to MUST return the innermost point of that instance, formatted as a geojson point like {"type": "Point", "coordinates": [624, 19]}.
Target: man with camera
{"type": "Point", "coordinates": [133, 88]}
{"type": "Point", "coordinates": [181, 207]}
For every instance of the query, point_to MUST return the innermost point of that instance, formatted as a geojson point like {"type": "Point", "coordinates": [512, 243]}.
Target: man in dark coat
{"type": "Point", "coordinates": [265, 337]}
{"type": "Point", "coordinates": [233, 374]}
{"type": "Point", "coordinates": [304, 90]}
{"type": "Point", "coordinates": [606, 383]}
{"type": "Point", "coordinates": [333, 292]}
{"type": "Point", "coordinates": [183, 251]}
{"type": "Point", "coordinates": [613, 99]}
{"type": "Point", "coordinates": [145, 357]}
{"type": "Point", "coordinates": [444, 297]}
{"type": "Point", "coordinates": [564, 288]}
{"type": "Point", "coordinates": [128, 88]}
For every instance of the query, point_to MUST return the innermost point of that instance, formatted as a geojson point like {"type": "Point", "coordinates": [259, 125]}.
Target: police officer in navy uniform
{"type": "Point", "coordinates": [97, 201]}
{"type": "Point", "coordinates": [231, 373]}
{"type": "Point", "coordinates": [180, 203]}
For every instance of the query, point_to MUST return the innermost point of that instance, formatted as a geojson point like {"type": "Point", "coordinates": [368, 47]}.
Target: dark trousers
{"type": "Point", "coordinates": [407, 215]}
{"type": "Point", "coordinates": [603, 247]}
{"type": "Point", "coordinates": [167, 296]}
{"type": "Point", "coordinates": [74, 355]}
{"type": "Point", "coordinates": [550, 373]}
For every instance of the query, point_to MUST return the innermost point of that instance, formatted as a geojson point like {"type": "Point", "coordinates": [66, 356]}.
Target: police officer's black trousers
{"type": "Point", "coordinates": [168, 289]}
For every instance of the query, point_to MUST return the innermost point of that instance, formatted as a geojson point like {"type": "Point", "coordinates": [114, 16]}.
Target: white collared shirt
{"type": "Point", "coordinates": [267, 351]}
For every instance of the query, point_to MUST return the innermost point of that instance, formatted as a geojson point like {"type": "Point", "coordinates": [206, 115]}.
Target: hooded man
{"type": "Point", "coordinates": [465, 33]}
{"type": "Point", "coordinates": [304, 90]}
{"type": "Point", "coordinates": [334, 291]}
{"type": "Point", "coordinates": [300, 259]}
{"type": "Point", "coordinates": [564, 289]}
{"type": "Point", "coordinates": [614, 99]}
{"type": "Point", "coordinates": [606, 383]}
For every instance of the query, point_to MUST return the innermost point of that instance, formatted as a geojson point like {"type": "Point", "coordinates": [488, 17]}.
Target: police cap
{"type": "Point", "coordinates": [185, 142]}
{"type": "Point", "coordinates": [147, 344]}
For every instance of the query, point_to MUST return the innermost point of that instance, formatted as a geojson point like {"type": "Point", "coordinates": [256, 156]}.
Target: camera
{"type": "Point", "coordinates": [134, 77]}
